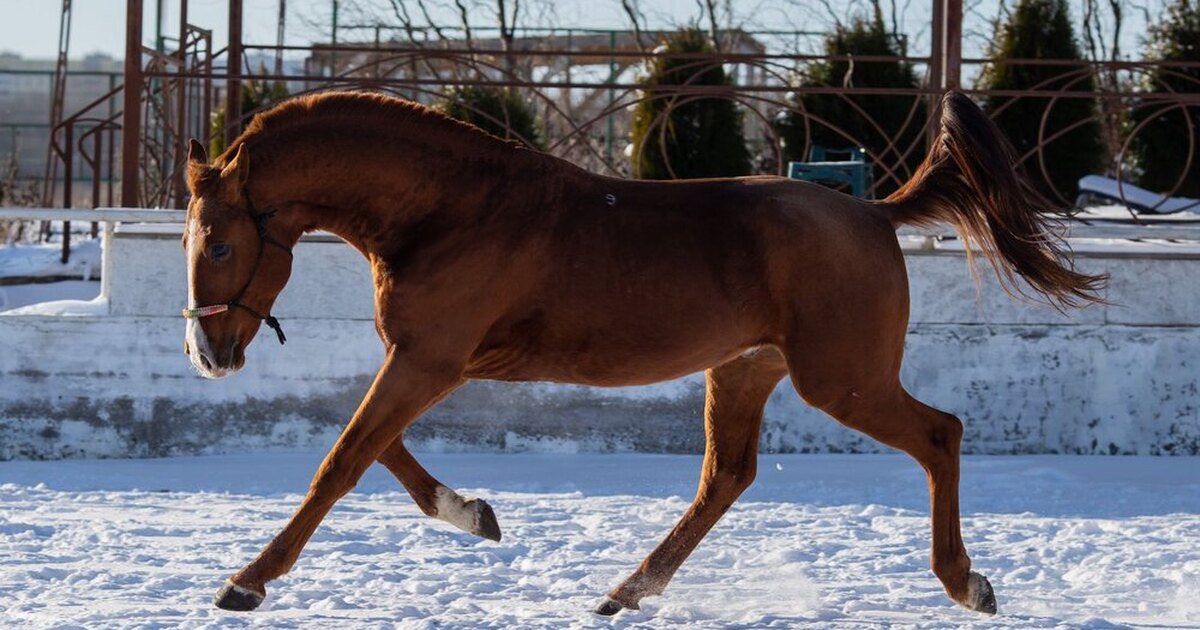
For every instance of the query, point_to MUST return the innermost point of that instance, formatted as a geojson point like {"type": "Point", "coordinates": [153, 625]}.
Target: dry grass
{"type": "Point", "coordinates": [14, 193]}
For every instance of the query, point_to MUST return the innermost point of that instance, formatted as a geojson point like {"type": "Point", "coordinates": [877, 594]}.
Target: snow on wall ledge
{"type": "Point", "coordinates": [111, 381]}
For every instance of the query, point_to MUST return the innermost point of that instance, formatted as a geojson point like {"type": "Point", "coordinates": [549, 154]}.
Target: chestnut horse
{"type": "Point", "coordinates": [493, 261]}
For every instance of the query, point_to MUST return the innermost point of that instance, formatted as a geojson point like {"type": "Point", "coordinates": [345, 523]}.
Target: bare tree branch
{"type": "Point", "coordinates": [634, 13]}
{"type": "Point", "coordinates": [710, 10]}
{"type": "Point", "coordinates": [466, 24]}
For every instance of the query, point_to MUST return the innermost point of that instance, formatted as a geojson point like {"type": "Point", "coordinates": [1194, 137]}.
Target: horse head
{"type": "Point", "coordinates": [236, 267]}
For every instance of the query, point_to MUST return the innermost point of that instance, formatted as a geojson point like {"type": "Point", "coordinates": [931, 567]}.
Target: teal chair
{"type": "Point", "coordinates": [855, 171]}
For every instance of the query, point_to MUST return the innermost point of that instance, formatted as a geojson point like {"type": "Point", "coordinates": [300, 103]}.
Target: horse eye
{"type": "Point", "coordinates": [218, 251]}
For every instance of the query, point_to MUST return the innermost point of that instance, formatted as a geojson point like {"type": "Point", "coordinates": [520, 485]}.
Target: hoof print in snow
{"type": "Point", "coordinates": [980, 595]}
{"type": "Point", "coordinates": [485, 521]}
{"type": "Point", "coordinates": [608, 608]}
{"type": "Point", "coordinates": [233, 597]}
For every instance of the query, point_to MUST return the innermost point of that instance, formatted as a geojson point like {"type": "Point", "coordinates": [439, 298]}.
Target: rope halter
{"type": "Point", "coordinates": [260, 224]}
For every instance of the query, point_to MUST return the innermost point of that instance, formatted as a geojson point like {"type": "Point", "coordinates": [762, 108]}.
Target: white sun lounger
{"type": "Point", "coordinates": [1139, 199]}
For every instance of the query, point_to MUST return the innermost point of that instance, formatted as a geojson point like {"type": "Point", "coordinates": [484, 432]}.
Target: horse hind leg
{"type": "Point", "coordinates": [736, 394]}
{"type": "Point", "coordinates": [932, 437]}
{"type": "Point", "coordinates": [435, 499]}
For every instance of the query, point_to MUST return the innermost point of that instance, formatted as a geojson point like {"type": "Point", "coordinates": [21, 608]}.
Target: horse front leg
{"type": "Point", "coordinates": [435, 499]}
{"type": "Point", "coordinates": [404, 388]}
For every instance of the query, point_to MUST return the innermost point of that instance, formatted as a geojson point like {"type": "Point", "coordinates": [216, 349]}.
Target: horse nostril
{"type": "Point", "coordinates": [205, 362]}
{"type": "Point", "coordinates": [186, 349]}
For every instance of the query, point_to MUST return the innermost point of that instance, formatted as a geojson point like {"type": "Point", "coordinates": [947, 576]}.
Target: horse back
{"type": "Point", "coordinates": [643, 281]}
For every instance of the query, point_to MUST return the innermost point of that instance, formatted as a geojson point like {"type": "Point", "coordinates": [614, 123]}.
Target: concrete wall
{"type": "Point", "coordinates": [113, 382]}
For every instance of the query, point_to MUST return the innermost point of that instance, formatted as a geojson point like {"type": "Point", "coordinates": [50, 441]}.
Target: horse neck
{"type": "Point", "coordinates": [360, 190]}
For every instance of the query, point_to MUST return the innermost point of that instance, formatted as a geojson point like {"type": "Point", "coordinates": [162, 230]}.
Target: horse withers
{"type": "Point", "coordinates": [605, 282]}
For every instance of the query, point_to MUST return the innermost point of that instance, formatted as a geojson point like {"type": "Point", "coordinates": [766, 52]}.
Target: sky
{"type": "Point", "coordinates": [30, 27]}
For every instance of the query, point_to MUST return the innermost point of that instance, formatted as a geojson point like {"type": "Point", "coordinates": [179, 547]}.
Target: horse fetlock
{"type": "Point", "coordinates": [637, 586]}
{"type": "Point", "coordinates": [474, 516]}
{"type": "Point", "coordinates": [630, 593]}
{"type": "Point", "coordinates": [980, 597]}
{"type": "Point", "coordinates": [238, 598]}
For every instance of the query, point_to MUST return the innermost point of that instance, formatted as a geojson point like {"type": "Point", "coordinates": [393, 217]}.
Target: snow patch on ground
{"type": "Point", "coordinates": [93, 307]}
{"type": "Point", "coordinates": [42, 260]}
{"type": "Point", "coordinates": [15, 296]}
{"type": "Point", "coordinates": [819, 541]}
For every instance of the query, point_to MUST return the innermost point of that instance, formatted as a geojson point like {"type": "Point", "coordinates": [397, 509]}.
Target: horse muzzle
{"type": "Point", "coordinates": [213, 360]}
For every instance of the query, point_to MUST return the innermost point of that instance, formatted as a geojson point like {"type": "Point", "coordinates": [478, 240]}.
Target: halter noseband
{"type": "Point", "coordinates": [260, 224]}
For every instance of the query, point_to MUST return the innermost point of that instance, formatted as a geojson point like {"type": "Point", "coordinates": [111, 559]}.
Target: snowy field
{"type": "Point", "coordinates": [820, 541]}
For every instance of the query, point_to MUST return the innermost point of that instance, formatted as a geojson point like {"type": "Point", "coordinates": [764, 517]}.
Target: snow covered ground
{"type": "Point", "coordinates": [820, 541]}
{"type": "Point", "coordinates": [41, 260]}
{"type": "Point", "coordinates": [44, 261]}
{"type": "Point", "coordinates": [16, 296]}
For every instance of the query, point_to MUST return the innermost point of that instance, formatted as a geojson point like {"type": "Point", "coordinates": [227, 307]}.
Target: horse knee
{"type": "Point", "coordinates": [332, 484]}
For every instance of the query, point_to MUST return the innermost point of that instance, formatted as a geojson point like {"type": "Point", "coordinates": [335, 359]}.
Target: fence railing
{"type": "Point", "coordinates": [584, 93]}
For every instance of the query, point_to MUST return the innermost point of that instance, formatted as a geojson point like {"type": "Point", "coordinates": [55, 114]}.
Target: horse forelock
{"type": "Point", "coordinates": [201, 177]}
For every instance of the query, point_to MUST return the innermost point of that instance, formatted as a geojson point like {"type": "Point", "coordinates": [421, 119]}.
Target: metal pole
{"type": "Point", "coordinates": [159, 44]}
{"type": "Point", "coordinates": [97, 173]}
{"type": "Point", "coordinates": [132, 126]}
{"type": "Point", "coordinates": [233, 93]}
{"type": "Point", "coordinates": [68, 176]}
{"type": "Point", "coordinates": [612, 96]}
{"type": "Point", "coordinates": [936, 64]}
{"type": "Point", "coordinates": [952, 74]}
{"type": "Point", "coordinates": [333, 40]}
{"type": "Point", "coordinates": [181, 108]}
{"type": "Point", "coordinates": [279, 36]}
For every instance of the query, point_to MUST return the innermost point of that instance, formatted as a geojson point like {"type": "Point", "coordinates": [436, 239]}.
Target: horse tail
{"type": "Point", "coordinates": [969, 180]}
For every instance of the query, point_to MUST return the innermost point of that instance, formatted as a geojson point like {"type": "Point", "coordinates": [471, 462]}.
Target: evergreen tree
{"type": "Point", "coordinates": [696, 137]}
{"type": "Point", "coordinates": [256, 95]}
{"type": "Point", "coordinates": [1041, 29]}
{"type": "Point", "coordinates": [1160, 149]}
{"type": "Point", "coordinates": [499, 111]}
{"type": "Point", "coordinates": [884, 119]}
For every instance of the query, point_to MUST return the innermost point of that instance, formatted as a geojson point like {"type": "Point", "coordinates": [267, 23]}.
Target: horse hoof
{"type": "Point", "coordinates": [485, 521]}
{"type": "Point", "coordinates": [608, 608]}
{"type": "Point", "coordinates": [234, 597]}
{"type": "Point", "coordinates": [980, 596]}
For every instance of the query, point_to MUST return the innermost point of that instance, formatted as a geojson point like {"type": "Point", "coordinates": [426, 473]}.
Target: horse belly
{"type": "Point", "coordinates": [622, 349]}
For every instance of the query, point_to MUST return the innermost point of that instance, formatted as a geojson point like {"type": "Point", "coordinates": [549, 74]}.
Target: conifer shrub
{"type": "Point", "coordinates": [256, 95]}
{"type": "Point", "coordinates": [1160, 149]}
{"type": "Point", "coordinates": [872, 122]}
{"type": "Point", "coordinates": [683, 136]}
{"type": "Point", "coordinates": [1041, 29]}
{"type": "Point", "coordinates": [499, 111]}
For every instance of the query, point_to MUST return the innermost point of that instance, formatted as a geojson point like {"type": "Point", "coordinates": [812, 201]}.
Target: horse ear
{"type": "Point", "coordinates": [196, 152]}
{"type": "Point", "coordinates": [238, 169]}
{"type": "Point", "coordinates": [198, 170]}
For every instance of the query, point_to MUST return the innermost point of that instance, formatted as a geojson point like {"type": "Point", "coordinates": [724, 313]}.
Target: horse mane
{"type": "Point", "coordinates": [378, 113]}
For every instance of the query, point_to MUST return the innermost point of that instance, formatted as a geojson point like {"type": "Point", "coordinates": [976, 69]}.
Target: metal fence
{"type": "Point", "coordinates": [583, 90]}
